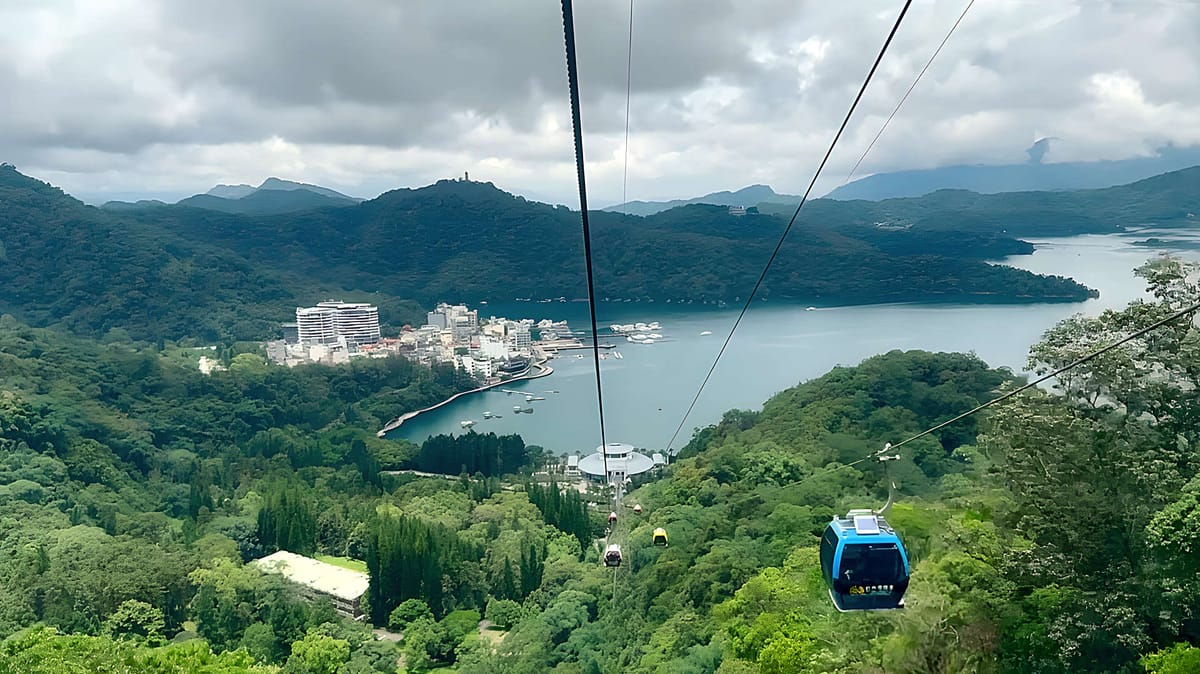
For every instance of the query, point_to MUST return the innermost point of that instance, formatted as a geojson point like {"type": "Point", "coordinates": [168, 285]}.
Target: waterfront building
{"type": "Point", "coordinates": [357, 322]}
{"type": "Point", "coordinates": [480, 367]}
{"type": "Point", "coordinates": [462, 330]}
{"type": "Point", "coordinates": [514, 366]}
{"type": "Point", "coordinates": [319, 580]}
{"type": "Point", "coordinates": [492, 348]}
{"type": "Point", "coordinates": [519, 339]}
{"type": "Point", "coordinates": [446, 316]}
{"type": "Point", "coordinates": [622, 463]}
{"type": "Point", "coordinates": [314, 325]}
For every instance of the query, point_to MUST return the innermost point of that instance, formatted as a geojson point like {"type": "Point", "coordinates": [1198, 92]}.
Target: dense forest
{"type": "Point", "coordinates": [1056, 533]}
{"type": "Point", "coordinates": [174, 272]}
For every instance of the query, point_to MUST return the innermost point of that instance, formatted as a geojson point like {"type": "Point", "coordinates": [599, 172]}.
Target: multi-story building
{"type": "Point", "coordinates": [291, 333]}
{"type": "Point", "coordinates": [492, 348]}
{"type": "Point", "coordinates": [357, 322]}
{"type": "Point", "coordinates": [519, 339]}
{"type": "Point", "coordinates": [463, 330]}
{"type": "Point", "coordinates": [480, 367]}
{"type": "Point", "coordinates": [315, 325]}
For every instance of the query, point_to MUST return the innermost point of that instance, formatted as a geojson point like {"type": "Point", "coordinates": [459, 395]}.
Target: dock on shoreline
{"type": "Point", "coordinates": [570, 344]}
{"type": "Point", "coordinates": [536, 371]}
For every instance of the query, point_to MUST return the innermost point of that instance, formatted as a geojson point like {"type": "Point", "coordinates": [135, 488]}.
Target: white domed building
{"type": "Point", "coordinates": [622, 461]}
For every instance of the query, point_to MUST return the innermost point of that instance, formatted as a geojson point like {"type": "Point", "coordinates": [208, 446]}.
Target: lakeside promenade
{"type": "Point", "coordinates": [537, 370]}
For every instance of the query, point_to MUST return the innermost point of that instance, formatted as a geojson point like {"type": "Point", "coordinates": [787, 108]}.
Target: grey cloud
{"type": "Point", "coordinates": [166, 94]}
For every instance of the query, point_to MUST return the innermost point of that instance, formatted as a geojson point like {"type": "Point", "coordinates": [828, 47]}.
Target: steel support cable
{"type": "Point", "coordinates": [628, 92]}
{"type": "Point", "coordinates": [792, 221]}
{"type": "Point", "coordinates": [1153, 326]}
{"type": "Point", "coordinates": [577, 127]}
{"type": "Point", "coordinates": [910, 90]}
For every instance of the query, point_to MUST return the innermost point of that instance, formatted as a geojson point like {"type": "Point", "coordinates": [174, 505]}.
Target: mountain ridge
{"type": "Point", "coordinates": [175, 270]}
{"type": "Point", "coordinates": [751, 195]}
{"type": "Point", "coordinates": [273, 195]}
{"type": "Point", "coordinates": [1005, 178]}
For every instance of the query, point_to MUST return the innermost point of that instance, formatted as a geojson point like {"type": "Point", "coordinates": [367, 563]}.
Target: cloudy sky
{"type": "Point", "coordinates": [123, 98]}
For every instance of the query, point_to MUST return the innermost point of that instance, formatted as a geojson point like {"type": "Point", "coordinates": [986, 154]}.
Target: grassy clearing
{"type": "Point", "coordinates": [344, 562]}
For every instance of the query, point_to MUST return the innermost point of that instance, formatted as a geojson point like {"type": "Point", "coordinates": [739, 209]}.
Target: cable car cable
{"type": "Point", "coordinates": [1157, 324]}
{"type": "Point", "coordinates": [803, 200]}
{"type": "Point", "coordinates": [577, 127]}
{"type": "Point", "coordinates": [628, 91]}
{"type": "Point", "coordinates": [910, 90]}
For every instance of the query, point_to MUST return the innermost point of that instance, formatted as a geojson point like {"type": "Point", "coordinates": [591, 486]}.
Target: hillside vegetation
{"type": "Point", "coordinates": [1055, 534]}
{"type": "Point", "coordinates": [171, 272]}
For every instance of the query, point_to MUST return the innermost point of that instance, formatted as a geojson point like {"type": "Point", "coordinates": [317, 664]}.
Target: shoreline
{"type": "Point", "coordinates": [543, 371]}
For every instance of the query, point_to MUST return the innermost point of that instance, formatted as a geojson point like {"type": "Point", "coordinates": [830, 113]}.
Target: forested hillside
{"type": "Point", "coordinates": [90, 271]}
{"type": "Point", "coordinates": [1054, 534]}
{"type": "Point", "coordinates": [1059, 539]}
{"type": "Point", "coordinates": [174, 272]}
{"type": "Point", "coordinates": [473, 241]}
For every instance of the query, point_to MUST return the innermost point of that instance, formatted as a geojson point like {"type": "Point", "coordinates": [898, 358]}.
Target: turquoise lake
{"type": "Point", "coordinates": [776, 346]}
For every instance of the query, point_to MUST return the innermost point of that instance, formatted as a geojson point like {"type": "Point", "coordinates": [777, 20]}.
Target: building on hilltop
{"type": "Point", "coordinates": [357, 322]}
{"type": "Point", "coordinates": [319, 580]}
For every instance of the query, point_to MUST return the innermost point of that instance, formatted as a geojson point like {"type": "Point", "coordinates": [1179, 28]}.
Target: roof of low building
{"type": "Point", "coordinates": [631, 464]}
{"type": "Point", "coordinates": [321, 576]}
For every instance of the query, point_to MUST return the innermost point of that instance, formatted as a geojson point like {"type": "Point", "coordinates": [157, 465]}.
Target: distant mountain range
{"type": "Point", "coordinates": [273, 196]}
{"type": "Point", "coordinates": [277, 184]}
{"type": "Point", "coordinates": [747, 196]}
{"type": "Point", "coordinates": [171, 271]}
{"type": "Point", "coordinates": [1032, 176]}
{"type": "Point", "coordinates": [983, 179]}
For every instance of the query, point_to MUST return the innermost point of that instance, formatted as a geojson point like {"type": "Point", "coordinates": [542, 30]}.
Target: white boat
{"type": "Point", "coordinates": [648, 341]}
{"type": "Point", "coordinates": [639, 337]}
{"type": "Point", "coordinates": [531, 398]}
{"type": "Point", "coordinates": [811, 309]}
{"type": "Point", "coordinates": [516, 408]}
{"type": "Point", "coordinates": [706, 332]}
{"type": "Point", "coordinates": [654, 325]}
{"type": "Point", "coordinates": [466, 424]}
{"type": "Point", "coordinates": [655, 335]}
{"type": "Point", "coordinates": [488, 415]}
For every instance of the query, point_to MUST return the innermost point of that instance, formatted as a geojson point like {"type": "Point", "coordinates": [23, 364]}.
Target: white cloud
{"type": "Point", "coordinates": [121, 96]}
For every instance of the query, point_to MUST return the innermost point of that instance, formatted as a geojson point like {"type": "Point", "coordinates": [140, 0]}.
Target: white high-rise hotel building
{"type": "Point", "coordinates": [357, 322]}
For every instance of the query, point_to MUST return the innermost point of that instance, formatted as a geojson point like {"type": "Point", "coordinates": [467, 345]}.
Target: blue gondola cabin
{"type": "Point", "coordinates": [864, 563]}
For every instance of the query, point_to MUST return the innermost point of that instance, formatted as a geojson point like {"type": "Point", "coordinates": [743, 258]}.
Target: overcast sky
{"type": "Point", "coordinates": [116, 98]}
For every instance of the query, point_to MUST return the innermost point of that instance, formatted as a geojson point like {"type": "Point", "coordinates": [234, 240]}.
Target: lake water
{"type": "Point", "coordinates": [647, 391]}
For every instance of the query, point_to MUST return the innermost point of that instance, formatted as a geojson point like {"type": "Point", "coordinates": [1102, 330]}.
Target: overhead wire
{"type": "Point", "coordinates": [1079, 361]}
{"type": "Point", "coordinates": [577, 128]}
{"type": "Point", "coordinates": [910, 90]}
{"type": "Point", "coordinates": [628, 92]}
{"type": "Point", "coordinates": [803, 200]}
